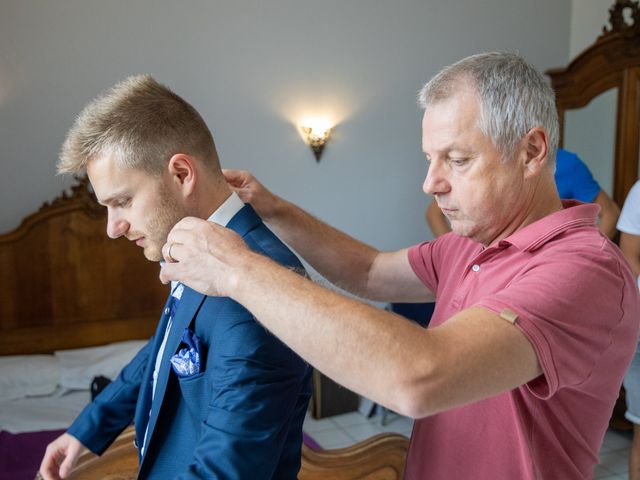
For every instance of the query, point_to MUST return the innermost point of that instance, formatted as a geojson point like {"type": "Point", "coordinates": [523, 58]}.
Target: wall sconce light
{"type": "Point", "coordinates": [316, 133]}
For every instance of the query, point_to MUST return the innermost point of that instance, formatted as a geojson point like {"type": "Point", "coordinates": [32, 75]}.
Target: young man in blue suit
{"type": "Point", "coordinates": [213, 394]}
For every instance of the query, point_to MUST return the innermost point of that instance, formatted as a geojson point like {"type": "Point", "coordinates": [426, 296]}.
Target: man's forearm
{"type": "Point", "coordinates": [609, 213]}
{"type": "Point", "coordinates": [331, 331]}
{"type": "Point", "coordinates": [340, 258]}
{"type": "Point", "coordinates": [394, 362]}
{"type": "Point", "coordinates": [607, 226]}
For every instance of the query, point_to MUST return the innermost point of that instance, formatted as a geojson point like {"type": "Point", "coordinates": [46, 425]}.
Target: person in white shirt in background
{"type": "Point", "coordinates": [629, 226]}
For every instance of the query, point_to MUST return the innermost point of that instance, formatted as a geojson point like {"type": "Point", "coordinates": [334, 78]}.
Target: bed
{"type": "Point", "coordinates": [40, 395]}
{"type": "Point", "coordinates": [65, 285]}
{"type": "Point", "coordinates": [74, 305]}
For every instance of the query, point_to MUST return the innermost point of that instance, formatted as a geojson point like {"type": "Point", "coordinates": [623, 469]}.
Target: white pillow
{"type": "Point", "coordinates": [28, 375]}
{"type": "Point", "coordinates": [79, 366]}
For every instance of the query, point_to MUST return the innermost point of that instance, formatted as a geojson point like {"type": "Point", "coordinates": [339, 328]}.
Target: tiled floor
{"type": "Point", "coordinates": [349, 428]}
{"type": "Point", "coordinates": [614, 456]}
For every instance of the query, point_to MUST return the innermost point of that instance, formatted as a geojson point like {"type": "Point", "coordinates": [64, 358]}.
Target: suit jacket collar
{"type": "Point", "coordinates": [244, 221]}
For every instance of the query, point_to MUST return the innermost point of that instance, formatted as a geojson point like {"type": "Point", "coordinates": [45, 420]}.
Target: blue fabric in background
{"type": "Point", "coordinates": [573, 178]}
{"type": "Point", "coordinates": [418, 312]}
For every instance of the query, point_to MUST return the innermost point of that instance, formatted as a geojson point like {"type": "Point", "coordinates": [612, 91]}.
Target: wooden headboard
{"type": "Point", "coordinates": [65, 284]}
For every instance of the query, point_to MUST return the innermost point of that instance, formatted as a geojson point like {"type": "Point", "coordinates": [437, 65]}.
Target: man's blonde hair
{"type": "Point", "coordinates": [140, 122]}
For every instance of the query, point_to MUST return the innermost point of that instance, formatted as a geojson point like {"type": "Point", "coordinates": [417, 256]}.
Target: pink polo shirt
{"type": "Point", "coordinates": [578, 304]}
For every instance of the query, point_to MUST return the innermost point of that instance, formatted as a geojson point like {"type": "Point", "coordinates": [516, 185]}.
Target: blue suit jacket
{"type": "Point", "coordinates": [239, 418]}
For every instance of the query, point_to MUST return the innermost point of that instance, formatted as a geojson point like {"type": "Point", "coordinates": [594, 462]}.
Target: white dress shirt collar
{"type": "Point", "coordinates": [222, 216]}
{"type": "Point", "coordinates": [225, 212]}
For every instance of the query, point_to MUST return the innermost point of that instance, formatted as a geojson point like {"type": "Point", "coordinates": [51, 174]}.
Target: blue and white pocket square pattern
{"type": "Point", "coordinates": [187, 361]}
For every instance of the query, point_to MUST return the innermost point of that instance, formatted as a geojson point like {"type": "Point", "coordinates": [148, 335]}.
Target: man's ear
{"type": "Point", "coordinates": [182, 172]}
{"type": "Point", "coordinates": [535, 151]}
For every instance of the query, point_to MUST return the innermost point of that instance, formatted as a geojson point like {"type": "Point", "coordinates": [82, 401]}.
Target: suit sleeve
{"type": "Point", "coordinates": [113, 409]}
{"type": "Point", "coordinates": [255, 383]}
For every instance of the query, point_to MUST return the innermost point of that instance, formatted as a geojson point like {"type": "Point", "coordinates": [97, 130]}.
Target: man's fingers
{"type": "Point", "coordinates": [169, 251]}
{"type": "Point", "coordinates": [231, 173]}
{"type": "Point", "coordinates": [188, 223]}
{"type": "Point", "coordinates": [67, 465]}
{"type": "Point", "coordinates": [235, 178]}
{"type": "Point", "coordinates": [50, 472]}
{"type": "Point", "coordinates": [188, 233]}
{"type": "Point", "coordinates": [188, 227]}
{"type": "Point", "coordinates": [73, 452]}
{"type": "Point", "coordinates": [60, 457]}
{"type": "Point", "coordinates": [168, 273]}
{"type": "Point", "coordinates": [51, 464]}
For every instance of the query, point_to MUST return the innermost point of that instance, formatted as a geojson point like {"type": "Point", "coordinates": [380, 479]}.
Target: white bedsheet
{"type": "Point", "coordinates": [51, 412]}
{"type": "Point", "coordinates": [69, 382]}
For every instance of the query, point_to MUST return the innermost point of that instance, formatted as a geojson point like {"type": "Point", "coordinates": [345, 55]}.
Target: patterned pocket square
{"type": "Point", "coordinates": [187, 361]}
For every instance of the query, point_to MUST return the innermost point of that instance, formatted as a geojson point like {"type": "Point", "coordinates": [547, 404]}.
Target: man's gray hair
{"type": "Point", "coordinates": [514, 98]}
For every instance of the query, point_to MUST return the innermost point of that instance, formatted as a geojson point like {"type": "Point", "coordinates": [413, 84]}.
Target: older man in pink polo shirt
{"type": "Point", "coordinates": [537, 312]}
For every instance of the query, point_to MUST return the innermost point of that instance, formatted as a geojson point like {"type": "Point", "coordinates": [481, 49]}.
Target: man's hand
{"type": "Point", "coordinates": [436, 220]}
{"type": "Point", "coordinates": [252, 191]}
{"type": "Point", "coordinates": [60, 457]}
{"type": "Point", "coordinates": [204, 256]}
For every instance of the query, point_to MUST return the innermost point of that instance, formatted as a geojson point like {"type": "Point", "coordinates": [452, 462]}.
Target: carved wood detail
{"type": "Point", "coordinates": [613, 61]}
{"type": "Point", "coordinates": [380, 457]}
{"type": "Point", "coordinates": [617, 21]}
{"type": "Point", "coordinates": [65, 284]}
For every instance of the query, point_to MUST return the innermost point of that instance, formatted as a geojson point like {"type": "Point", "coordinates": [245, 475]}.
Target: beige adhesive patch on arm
{"type": "Point", "coordinates": [509, 315]}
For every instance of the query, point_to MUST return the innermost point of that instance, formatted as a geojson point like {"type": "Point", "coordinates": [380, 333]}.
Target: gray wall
{"type": "Point", "coordinates": [253, 69]}
{"type": "Point", "coordinates": [587, 19]}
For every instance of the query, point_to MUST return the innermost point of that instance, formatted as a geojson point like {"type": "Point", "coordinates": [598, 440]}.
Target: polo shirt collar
{"type": "Point", "coordinates": [574, 214]}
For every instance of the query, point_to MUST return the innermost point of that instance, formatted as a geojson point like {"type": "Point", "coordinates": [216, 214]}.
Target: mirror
{"type": "Point", "coordinates": [590, 132]}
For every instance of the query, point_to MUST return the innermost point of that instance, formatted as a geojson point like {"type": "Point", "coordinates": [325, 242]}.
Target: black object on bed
{"type": "Point", "coordinates": [98, 384]}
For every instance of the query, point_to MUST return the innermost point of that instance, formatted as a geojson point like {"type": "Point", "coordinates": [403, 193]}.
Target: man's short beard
{"type": "Point", "coordinates": [167, 214]}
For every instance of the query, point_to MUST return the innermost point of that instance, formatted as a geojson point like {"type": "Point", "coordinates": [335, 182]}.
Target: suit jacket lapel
{"type": "Point", "coordinates": [144, 396]}
{"type": "Point", "coordinates": [189, 305]}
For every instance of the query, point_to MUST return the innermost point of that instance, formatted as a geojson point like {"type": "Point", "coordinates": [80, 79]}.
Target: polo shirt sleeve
{"type": "Point", "coordinates": [570, 305]}
{"type": "Point", "coordinates": [421, 261]}
{"type": "Point", "coordinates": [426, 257]}
{"type": "Point", "coordinates": [629, 221]}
